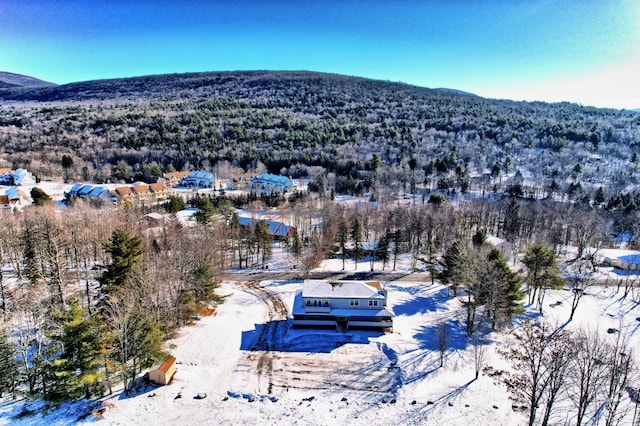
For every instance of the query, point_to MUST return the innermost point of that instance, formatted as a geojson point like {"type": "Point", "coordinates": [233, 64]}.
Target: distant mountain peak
{"type": "Point", "coordinates": [456, 91]}
{"type": "Point", "coordinates": [9, 79]}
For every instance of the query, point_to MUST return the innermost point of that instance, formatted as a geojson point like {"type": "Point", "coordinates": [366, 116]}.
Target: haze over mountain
{"type": "Point", "coordinates": [9, 79]}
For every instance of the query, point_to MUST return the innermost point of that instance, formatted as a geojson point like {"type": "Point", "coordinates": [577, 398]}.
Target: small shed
{"type": "Point", "coordinates": [163, 374]}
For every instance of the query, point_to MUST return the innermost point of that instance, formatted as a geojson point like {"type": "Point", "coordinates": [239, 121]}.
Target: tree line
{"type": "Point", "coordinates": [88, 295]}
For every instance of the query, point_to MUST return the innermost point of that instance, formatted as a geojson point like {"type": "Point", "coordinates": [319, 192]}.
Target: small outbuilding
{"type": "Point", "coordinates": [163, 374]}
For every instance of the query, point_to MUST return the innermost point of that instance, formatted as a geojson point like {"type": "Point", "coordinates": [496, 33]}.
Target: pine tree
{"type": "Point", "coordinates": [382, 250]}
{"type": "Point", "coordinates": [126, 254]}
{"type": "Point", "coordinates": [454, 264]}
{"type": "Point", "coordinates": [543, 274]}
{"type": "Point", "coordinates": [508, 285]}
{"type": "Point", "coordinates": [264, 240]}
{"type": "Point", "coordinates": [10, 367]}
{"type": "Point", "coordinates": [30, 253]}
{"type": "Point", "coordinates": [75, 371]}
{"type": "Point", "coordinates": [40, 198]}
{"type": "Point", "coordinates": [356, 238]}
{"type": "Point", "coordinates": [205, 212]}
{"type": "Point", "coordinates": [343, 239]}
{"type": "Point", "coordinates": [296, 247]}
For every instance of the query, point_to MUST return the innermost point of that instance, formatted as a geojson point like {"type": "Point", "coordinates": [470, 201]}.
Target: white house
{"type": "Point", "coordinates": [343, 305]}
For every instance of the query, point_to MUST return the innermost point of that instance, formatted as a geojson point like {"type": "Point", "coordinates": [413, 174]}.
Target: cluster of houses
{"type": "Point", "coordinates": [264, 182]}
{"type": "Point", "coordinates": [142, 193]}
{"type": "Point", "coordinates": [12, 196]}
{"type": "Point", "coordinates": [138, 193]}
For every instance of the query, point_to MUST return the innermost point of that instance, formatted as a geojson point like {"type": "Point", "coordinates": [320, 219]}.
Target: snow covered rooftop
{"type": "Point", "coordinates": [343, 289]}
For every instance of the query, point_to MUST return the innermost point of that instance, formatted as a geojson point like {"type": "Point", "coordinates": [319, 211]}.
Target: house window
{"type": "Point", "coordinates": [308, 302]}
{"type": "Point", "coordinates": [373, 303]}
{"type": "Point", "coordinates": [354, 302]}
{"type": "Point", "coordinates": [326, 302]}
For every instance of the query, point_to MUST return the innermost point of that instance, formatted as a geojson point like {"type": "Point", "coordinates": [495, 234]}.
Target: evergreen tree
{"type": "Point", "coordinates": [356, 238]}
{"type": "Point", "coordinates": [126, 253]}
{"type": "Point", "coordinates": [398, 238]}
{"type": "Point", "coordinates": [508, 286]}
{"type": "Point", "coordinates": [543, 274]}
{"type": "Point", "coordinates": [382, 250]}
{"type": "Point", "coordinates": [205, 212]}
{"type": "Point", "coordinates": [264, 240]}
{"type": "Point", "coordinates": [67, 164]}
{"type": "Point", "coordinates": [174, 204]}
{"type": "Point", "coordinates": [343, 239]}
{"type": "Point", "coordinates": [479, 238]}
{"type": "Point", "coordinates": [9, 366]}
{"type": "Point", "coordinates": [430, 260]}
{"type": "Point", "coordinates": [29, 242]}
{"type": "Point", "coordinates": [40, 198]}
{"type": "Point", "coordinates": [454, 264]}
{"type": "Point", "coordinates": [205, 284]}
{"type": "Point", "coordinates": [512, 220]}
{"type": "Point", "coordinates": [296, 246]}
{"type": "Point", "coordinates": [598, 198]}
{"type": "Point", "coordinates": [76, 369]}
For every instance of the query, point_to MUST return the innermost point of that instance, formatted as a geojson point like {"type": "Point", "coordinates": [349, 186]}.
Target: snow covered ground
{"type": "Point", "coordinates": [324, 377]}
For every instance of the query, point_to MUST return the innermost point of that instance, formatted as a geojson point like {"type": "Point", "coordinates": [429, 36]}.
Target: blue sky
{"type": "Point", "coordinates": [585, 51]}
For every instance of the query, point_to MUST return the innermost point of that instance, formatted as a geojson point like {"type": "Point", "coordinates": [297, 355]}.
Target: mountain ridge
{"type": "Point", "coordinates": [14, 80]}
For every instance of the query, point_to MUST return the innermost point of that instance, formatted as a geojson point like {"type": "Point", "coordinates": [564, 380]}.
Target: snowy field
{"type": "Point", "coordinates": [323, 377]}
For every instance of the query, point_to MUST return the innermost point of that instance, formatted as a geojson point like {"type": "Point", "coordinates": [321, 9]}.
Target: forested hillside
{"type": "Point", "coordinates": [349, 134]}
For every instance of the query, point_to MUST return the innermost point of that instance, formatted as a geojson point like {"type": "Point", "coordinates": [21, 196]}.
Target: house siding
{"type": "Point", "coordinates": [342, 304]}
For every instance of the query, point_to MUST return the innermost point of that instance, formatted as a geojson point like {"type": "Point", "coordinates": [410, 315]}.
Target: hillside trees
{"type": "Point", "coordinates": [367, 134]}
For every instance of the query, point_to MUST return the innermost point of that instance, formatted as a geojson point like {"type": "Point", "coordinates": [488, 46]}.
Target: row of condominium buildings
{"type": "Point", "coordinates": [142, 193]}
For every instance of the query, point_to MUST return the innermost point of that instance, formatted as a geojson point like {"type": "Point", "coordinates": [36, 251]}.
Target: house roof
{"type": "Point", "coordinates": [124, 190]}
{"type": "Point", "coordinates": [5, 170]}
{"type": "Point", "coordinates": [154, 216]}
{"type": "Point", "coordinates": [167, 364]}
{"type": "Point", "coordinates": [343, 289]}
{"type": "Point", "coordinates": [176, 175]}
{"type": "Point", "coordinates": [157, 187]}
{"type": "Point", "coordinates": [276, 228]}
{"type": "Point", "coordinates": [273, 226]}
{"type": "Point", "coordinates": [75, 188]}
{"type": "Point", "coordinates": [98, 191]}
{"type": "Point", "coordinates": [4, 200]}
{"type": "Point", "coordinates": [86, 189]}
{"type": "Point", "coordinates": [12, 193]}
{"type": "Point", "coordinates": [141, 189]}
{"type": "Point", "coordinates": [283, 230]}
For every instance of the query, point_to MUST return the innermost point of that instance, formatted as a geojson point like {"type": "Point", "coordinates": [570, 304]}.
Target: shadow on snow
{"type": "Point", "coordinates": [312, 340]}
{"type": "Point", "coordinates": [423, 304]}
